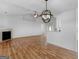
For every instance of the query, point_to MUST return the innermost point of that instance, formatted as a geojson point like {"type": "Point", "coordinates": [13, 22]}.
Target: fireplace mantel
{"type": "Point", "coordinates": [5, 29]}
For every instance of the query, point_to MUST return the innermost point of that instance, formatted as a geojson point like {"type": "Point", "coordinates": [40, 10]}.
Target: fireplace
{"type": "Point", "coordinates": [6, 35]}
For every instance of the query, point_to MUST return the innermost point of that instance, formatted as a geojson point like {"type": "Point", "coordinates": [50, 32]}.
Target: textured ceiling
{"type": "Point", "coordinates": [20, 7]}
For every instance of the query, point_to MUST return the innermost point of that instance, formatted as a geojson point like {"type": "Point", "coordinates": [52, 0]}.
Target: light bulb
{"type": "Point", "coordinates": [46, 16]}
{"type": "Point", "coordinates": [35, 15]}
{"type": "Point", "coordinates": [50, 28]}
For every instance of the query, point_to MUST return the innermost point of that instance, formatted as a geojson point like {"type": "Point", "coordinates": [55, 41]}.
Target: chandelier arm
{"type": "Point", "coordinates": [45, 21]}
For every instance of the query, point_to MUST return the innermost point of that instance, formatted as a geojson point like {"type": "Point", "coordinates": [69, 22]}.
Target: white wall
{"type": "Point", "coordinates": [3, 21]}
{"type": "Point", "coordinates": [67, 37]}
{"type": "Point", "coordinates": [22, 27]}
{"type": "Point", "coordinates": [19, 26]}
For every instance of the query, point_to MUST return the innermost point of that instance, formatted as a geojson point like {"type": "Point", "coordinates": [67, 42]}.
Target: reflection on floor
{"type": "Point", "coordinates": [30, 48]}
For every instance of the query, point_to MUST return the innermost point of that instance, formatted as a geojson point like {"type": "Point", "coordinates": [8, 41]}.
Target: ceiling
{"type": "Point", "coordinates": [21, 7]}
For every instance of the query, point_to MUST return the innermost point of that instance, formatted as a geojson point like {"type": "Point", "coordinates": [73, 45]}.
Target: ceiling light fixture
{"type": "Point", "coordinates": [48, 19]}
{"type": "Point", "coordinates": [46, 14]}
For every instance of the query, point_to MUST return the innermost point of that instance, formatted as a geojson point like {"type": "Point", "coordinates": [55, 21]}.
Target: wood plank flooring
{"type": "Point", "coordinates": [31, 48]}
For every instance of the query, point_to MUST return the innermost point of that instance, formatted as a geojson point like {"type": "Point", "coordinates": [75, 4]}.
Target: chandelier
{"type": "Point", "coordinates": [45, 15]}
{"type": "Point", "coordinates": [48, 19]}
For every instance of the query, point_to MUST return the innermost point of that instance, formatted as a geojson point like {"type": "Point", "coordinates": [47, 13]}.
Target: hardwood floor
{"type": "Point", "coordinates": [32, 48]}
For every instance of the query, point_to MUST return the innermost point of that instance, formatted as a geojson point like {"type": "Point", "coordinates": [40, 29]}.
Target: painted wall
{"type": "Point", "coordinates": [23, 27]}
{"type": "Point", "coordinates": [67, 37]}
{"type": "Point", "coordinates": [20, 27]}
{"type": "Point", "coordinates": [3, 21]}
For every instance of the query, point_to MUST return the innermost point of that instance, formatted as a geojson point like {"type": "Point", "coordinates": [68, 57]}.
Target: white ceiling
{"type": "Point", "coordinates": [20, 7]}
